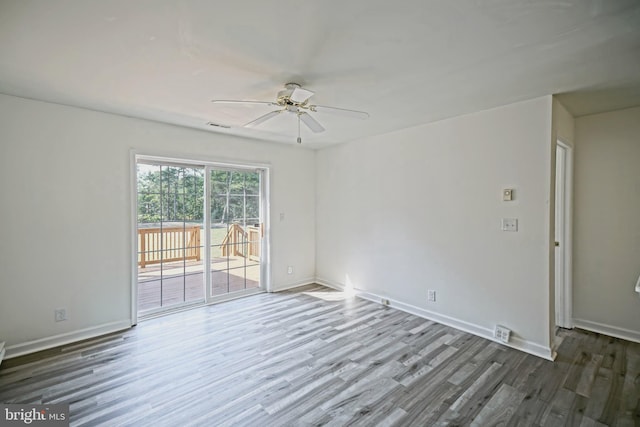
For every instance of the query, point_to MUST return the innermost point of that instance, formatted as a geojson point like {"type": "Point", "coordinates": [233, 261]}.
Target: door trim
{"type": "Point", "coordinates": [564, 226]}
{"type": "Point", "coordinates": [133, 232]}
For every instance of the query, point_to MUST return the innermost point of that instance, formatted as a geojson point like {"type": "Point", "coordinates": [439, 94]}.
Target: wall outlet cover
{"type": "Point", "coordinates": [502, 334]}
{"type": "Point", "coordinates": [60, 314]}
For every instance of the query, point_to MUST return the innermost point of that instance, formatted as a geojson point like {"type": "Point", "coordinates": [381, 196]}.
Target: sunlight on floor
{"type": "Point", "coordinates": [330, 295]}
{"type": "Point", "coordinates": [348, 293]}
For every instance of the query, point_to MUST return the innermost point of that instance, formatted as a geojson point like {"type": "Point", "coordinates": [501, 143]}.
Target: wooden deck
{"type": "Point", "coordinates": [167, 284]}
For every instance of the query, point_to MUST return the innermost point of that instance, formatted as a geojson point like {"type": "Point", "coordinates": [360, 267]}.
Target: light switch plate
{"type": "Point", "coordinates": [507, 194]}
{"type": "Point", "coordinates": [509, 224]}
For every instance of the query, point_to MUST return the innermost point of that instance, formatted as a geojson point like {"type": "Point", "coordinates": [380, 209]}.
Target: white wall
{"type": "Point", "coordinates": [563, 123]}
{"type": "Point", "coordinates": [421, 209]}
{"type": "Point", "coordinates": [606, 227]}
{"type": "Point", "coordinates": [65, 212]}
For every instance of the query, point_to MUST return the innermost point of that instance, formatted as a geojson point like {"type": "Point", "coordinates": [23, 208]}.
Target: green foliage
{"type": "Point", "coordinates": [172, 193]}
{"type": "Point", "coordinates": [235, 196]}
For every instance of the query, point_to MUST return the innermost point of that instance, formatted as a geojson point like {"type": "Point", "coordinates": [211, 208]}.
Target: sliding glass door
{"type": "Point", "coordinates": [236, 230]}
{"type": "Point", "coordinates": [170, 245]}
{"type": "Point", "coordinates": [190, 216]}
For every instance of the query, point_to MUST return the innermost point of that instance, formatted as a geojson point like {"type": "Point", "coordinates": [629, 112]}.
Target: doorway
{"type": "Point", "coordinates": [563, 227]}
{"type": "Point", "coordinates": [199, 233]}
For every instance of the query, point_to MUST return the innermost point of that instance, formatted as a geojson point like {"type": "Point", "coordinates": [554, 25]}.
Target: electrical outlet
{"type": "Point", "coordinates": [60, 314]}
{"type": "Point", "coordinates": [431, 295]}
{"type": "Point", "coordinates": [290, 269]}
{"type": "Point", "coordinates": [501, 333]}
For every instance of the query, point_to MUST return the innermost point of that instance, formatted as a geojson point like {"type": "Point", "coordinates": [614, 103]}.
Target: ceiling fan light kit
{"type": "Point", "coordinates": [295, 99]}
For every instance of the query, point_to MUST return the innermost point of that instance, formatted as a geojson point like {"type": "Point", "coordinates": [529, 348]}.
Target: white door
{"type": "Point", "coordinates": [563, 289]}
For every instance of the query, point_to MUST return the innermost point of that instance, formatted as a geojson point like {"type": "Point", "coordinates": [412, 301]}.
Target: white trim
{"type": "Point", "coordinates": [565, 293]}
{"type": "Point", "coordinates": [559, 252]}
{"type": "Point", "coordinates": [199, 160]}
{"type": "Point", "coordinates": [293, 285]}
{"type": "Point", "coordinates": [265, 219]}
{"type": "Point", "coordinates": [234, 295]}
{"type": "Point", "coordinates": [164, 311]}
{"type": "Point", "coordinates": [330, 284]}
{"type": "Point", "coordinates": [206, 261]}
{"type": "Point", "coordinates": [516, 342]}
{"type": "Point", "coordinates": [133, 189]}
{"type": "Point", "coordinates": [66, 338]}
{"type": "Point", "coordinates": [568, 235]}
{"type": "Point", "coordinates": [613, 331]}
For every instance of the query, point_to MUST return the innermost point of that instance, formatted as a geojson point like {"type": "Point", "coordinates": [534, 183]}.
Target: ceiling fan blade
{"type": "Point", "coordinates": [300, 95]}
{"type": "Point", "coordinates": [229, 101]}
{"type": "Point", "coordinates": [340, 111]}
{"type": "Point", "coordinates": [263, 118]}
{"type": "Point", "coordinates": [311, 122]}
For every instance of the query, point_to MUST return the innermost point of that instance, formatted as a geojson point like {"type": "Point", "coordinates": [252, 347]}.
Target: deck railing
{"type": "Point", "coordinates": [157, 245]}
{"type": "Point", "coordinates": [240, 242]}
{"type": "Point", "coordinates": [254, 242]}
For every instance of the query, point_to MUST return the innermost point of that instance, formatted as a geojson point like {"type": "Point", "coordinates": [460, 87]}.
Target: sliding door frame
{"type": "Point", "coordinates": [208, 164]}
{"type": "Point", "coordinates": [263, 284]}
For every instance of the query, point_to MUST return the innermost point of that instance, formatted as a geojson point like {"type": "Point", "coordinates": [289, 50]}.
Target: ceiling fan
{"type": "Point", "coordinates": [294, 99]}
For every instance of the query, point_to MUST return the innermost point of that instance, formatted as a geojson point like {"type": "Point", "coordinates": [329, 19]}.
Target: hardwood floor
{"type": "Point", "coordinates": [312, 357]}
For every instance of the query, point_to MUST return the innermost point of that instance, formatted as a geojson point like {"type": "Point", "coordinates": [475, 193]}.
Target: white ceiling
{"type": "Point", "coordinates": [406, 62]}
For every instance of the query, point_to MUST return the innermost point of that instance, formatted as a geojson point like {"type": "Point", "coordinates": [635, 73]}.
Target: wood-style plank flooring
{"type": "Point", "coordinates": [312, 357]}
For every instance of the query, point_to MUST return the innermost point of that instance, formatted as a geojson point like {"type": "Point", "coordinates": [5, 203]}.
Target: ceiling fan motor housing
{"type": "Point", "coordinates": [294, 94]}
{"type": "Point", "coordinates": [284, 97]}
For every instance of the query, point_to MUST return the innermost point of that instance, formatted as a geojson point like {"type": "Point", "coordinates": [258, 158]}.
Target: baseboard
{"type": "Point", "coordinates": [293, 285]}
{"type": "Point", "coordinates": [516, 342]}
{"type": "Point", "coordinates": [329, 284]}
{"type": "Point", "coordinates": [29, 347]}
{"type": "Point", "coordinates": [613, 331]}
{"type": "Point", "coordinates": [66, 338]}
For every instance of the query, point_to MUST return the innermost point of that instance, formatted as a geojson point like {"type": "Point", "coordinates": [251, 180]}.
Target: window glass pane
{"type": "Point", "coordinates": [252, 183]}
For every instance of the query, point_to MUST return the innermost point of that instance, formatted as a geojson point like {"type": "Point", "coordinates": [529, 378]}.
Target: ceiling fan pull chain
{"type": "Point", "coordinates": [299, 139]}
